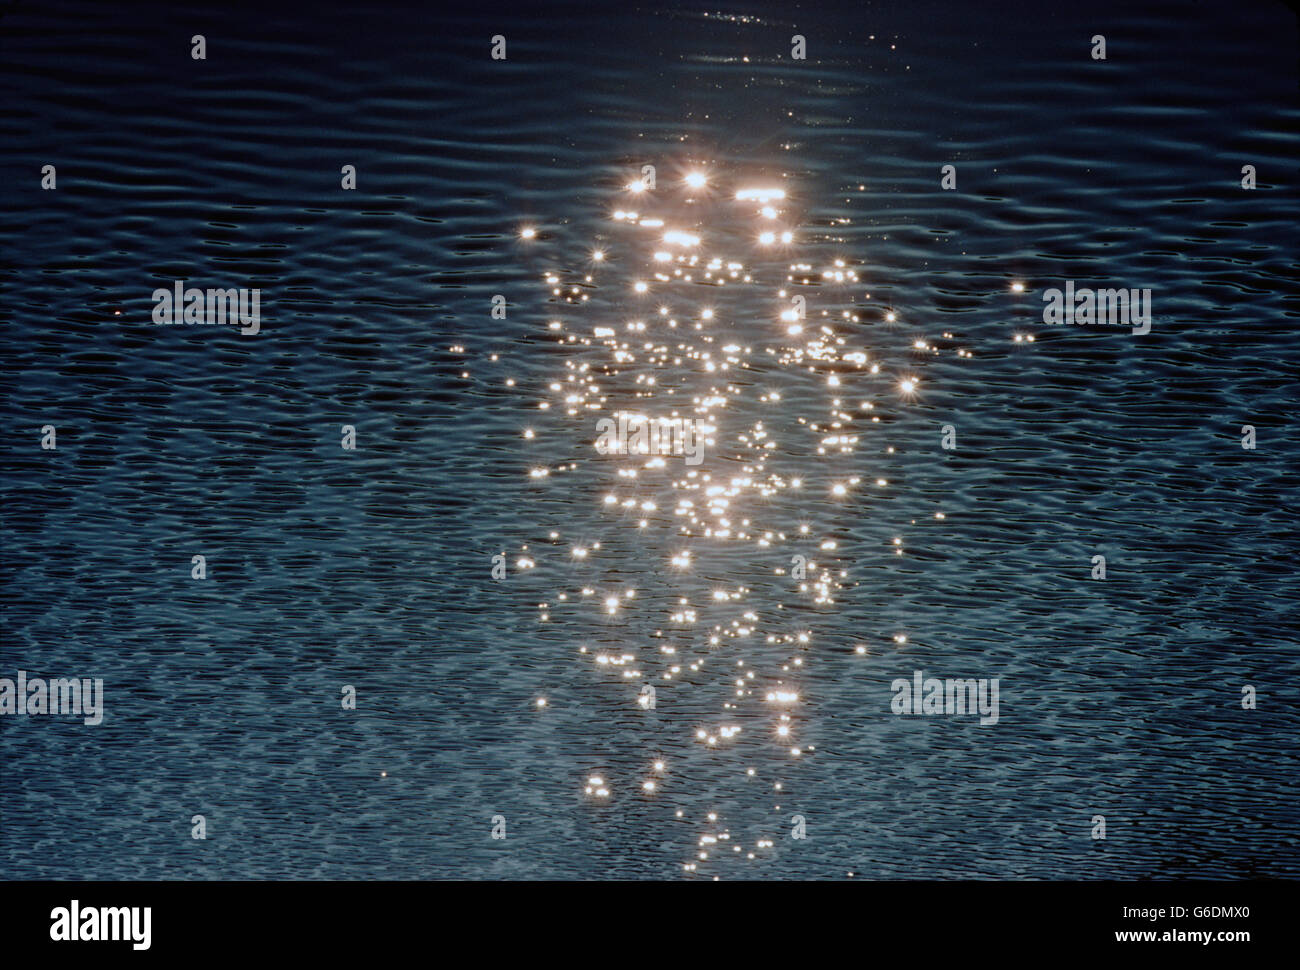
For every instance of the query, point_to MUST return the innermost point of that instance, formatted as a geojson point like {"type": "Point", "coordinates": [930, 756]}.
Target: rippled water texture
{"type": "Point", "coordinates": [372, 567]}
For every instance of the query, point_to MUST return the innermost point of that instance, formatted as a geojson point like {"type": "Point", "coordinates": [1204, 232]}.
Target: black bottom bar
{"type": "Point", "coordinates": [333, 919]}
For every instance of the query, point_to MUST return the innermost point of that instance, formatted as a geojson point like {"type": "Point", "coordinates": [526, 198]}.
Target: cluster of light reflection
{"type": "Point", "coordinates": [679, 351]}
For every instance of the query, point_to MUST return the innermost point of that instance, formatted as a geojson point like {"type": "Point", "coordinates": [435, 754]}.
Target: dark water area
{"type": "Point", "coordinates": [372, 568]}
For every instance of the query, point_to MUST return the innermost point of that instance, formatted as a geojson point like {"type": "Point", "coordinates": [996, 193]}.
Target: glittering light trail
{"type": "Point", "coordinates": [687, 348]}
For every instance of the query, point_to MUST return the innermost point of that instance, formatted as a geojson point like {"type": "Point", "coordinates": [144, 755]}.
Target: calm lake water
{"type": "Point", "coordinates": [373, 568]}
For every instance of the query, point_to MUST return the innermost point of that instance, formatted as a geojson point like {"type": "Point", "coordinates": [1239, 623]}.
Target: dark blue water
{"type": "Point", "coordinates": [372, 567]}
